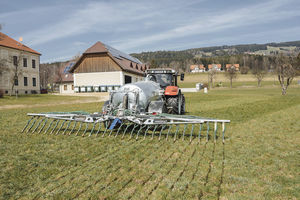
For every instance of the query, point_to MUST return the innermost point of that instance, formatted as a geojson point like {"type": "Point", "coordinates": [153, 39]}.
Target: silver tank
{"type": "Point", "coordinates": [139, 94]}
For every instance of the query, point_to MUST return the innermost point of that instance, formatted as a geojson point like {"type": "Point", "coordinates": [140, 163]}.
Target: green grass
{"type": "Point", "coordinates": [242, 80]}
{"type": "Point", "coordinates": [38, 99]}
{"type": "Point", "coordinates": [260, 158]}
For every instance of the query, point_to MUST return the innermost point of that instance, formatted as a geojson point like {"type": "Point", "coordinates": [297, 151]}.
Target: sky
{"type": "Point", "coordinates": [61, 29]}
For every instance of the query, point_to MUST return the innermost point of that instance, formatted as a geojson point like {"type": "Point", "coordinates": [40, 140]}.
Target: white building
{"type": "Point", "coordinates": [65, 79]}
{"type": "Point", "coordinates": [102, 65]}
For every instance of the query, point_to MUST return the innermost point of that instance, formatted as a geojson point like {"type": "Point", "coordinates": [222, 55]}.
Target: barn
{"type": "Point", "coordinates": [102, 66]}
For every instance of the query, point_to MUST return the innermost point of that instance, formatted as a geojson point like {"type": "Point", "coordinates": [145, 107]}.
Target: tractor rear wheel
{"type": "Point", "coordinates": [172, 103]}
{"type": "Point", "coordinates": [176, 105]}
{"type": "Point", "coordinates": [182, 105]}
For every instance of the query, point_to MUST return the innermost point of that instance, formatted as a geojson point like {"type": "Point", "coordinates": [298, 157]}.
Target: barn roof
{"type": "Point", "coordinates": [7, 41]}
{"type": "Point", "coordinates": [125, 61]}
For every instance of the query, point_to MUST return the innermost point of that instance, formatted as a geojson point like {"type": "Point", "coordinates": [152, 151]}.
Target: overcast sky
{"type": "Point", "coordinates": [60, 29]}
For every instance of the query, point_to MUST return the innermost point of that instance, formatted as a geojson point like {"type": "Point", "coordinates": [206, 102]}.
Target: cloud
{"type": "Point", "coordinates": [137, 25]}
{"type": "Point", "coordinates": [215, 22]}
{"type": "Point", "coordinates": [107, 18]}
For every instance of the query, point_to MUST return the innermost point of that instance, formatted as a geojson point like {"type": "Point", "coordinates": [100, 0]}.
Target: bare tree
{"type": "Point", "coordinates": [59, 74]}
{"type": "Point", "coordinates": [211, 77]}
{"type": "Point", "coordinates": [285, 71]}
{"type": "Point", "coordinates": [259, 69]}
{"type": "Point", "coordinates": [16, 71]}
{"type": "Point", "coordinates": [244, 69]}
{"type": "Point", "coordinates": [231, 74]}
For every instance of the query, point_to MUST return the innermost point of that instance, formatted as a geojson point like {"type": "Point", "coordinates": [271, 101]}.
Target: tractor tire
{"type": "Point", "coordinates": [182, 105]}
{"type": "Point", "coordinates": [172, 105]}
{"type": "Point", "coordinates": [176, 105]}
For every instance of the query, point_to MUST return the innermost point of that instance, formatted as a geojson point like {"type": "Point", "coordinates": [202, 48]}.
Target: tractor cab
{"type": "Point", "coordinates": [165, 77]}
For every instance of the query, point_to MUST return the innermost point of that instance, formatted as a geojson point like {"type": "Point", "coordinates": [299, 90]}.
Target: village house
{"type": "Point", "coordinates": [102, 67]}
{"type": "Point", "coordinates": [65, 80]}
{"type": "Point", "coordinates": [236, 66]}
{"type": "Point", "coordinates": [197, 68]}
{"type": "Point", "coordinates": [19, 67]}
{"type": "Point", "coordinates": [217, 67]}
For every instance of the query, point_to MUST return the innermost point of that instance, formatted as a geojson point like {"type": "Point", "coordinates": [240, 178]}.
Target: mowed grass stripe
{"type": "Point", "coordinates": [198, 177]}
{"type": "Point", "coordinates": [248, 111]}
{"type": "Point", "coordinates": [221, 104]}
{"type": "Point", "coordinates": [75, 175]}
{"type": "Point", "coordinates": [136, 179]}
{"type": "Point", "coordinates": [61, 151]}
{"type": "Point", "coordinates": [180, 186]}
{"type": "Point", "coordinates": [159, 181]}
{"type": "Point", "coordinates": [146, 175]}
{"type": "Point", "coordinates": [212, 181]}
{"type": "Point", "coordinates": [121, 166]}
{"type": "Point", "coordinates": [126, 178]}
{"type": "Point", "coordinates": [53, 177]}
{"type": "Point", "coordinates": [265, 158]}
{"type": "Point", "coordinates": [142, 177]}
{"type": "Point", "coordinates": [196, 168]}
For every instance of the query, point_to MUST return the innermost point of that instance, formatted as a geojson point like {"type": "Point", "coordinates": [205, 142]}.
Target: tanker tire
{"type": "Point", "coordinates": [172, 103]}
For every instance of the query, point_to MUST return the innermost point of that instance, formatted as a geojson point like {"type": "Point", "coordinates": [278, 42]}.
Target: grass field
{"type": "Point", "coordinates": [242, 80]}
{"type": "Point", "coordinates": [259, 160]}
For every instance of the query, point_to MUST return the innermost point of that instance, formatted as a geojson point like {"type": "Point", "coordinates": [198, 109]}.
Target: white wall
{"type": "Point", "coordinates": [69, 88]}
{"type": "Point", "coordinates": [103, 78]}
{"type": "Point", "coordinates": [97, 78]}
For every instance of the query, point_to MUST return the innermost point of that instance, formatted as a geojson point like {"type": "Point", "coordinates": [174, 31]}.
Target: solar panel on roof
{"type": "Point", "coordinates": [119, 54]}
{"type": "Point", "coordinates": [68, 67]}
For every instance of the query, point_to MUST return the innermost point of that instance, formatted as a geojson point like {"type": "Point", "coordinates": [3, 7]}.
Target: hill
{"type": "Point", "coordinates": [186, 56]}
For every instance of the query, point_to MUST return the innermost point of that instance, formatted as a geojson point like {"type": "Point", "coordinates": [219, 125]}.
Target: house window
{"type": "Point", "coordinates": [15, 60]}
{"type": "Point", "coordinates": [127, 79]}
{"type": "Point", "coordinates": [25, 81]}
{"type": "Point", "coordinates": [72, 87]}
{"type": "Point", "coordinates": [24, 62]}
{"type": "Point", "coordinates": [33, 63]}
{"type": "Point", "coordinates": [16, 81]}
{"type": "Point", "coordinates": [65, 87]}
{"type": "Point", "coordinates": [33, 82]}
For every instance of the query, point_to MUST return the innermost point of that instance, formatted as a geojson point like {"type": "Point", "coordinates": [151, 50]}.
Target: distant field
{"type": "Point", "coordinates": [260, 158]}
{"type": "Point", "coordinates": [242, 80]}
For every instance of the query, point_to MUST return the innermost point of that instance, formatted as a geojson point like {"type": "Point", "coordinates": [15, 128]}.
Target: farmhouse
{"type": "Point", "coordinates": [19, 67]}
{"type": "Point", "coordinates": [216, 67]}
{"type": "Point", "coordinates": [197, 68]}
{"type": "Point", "coordinates": [236, 66]}
{"type": "Point", "coordinates": [103, 66]}
{"type": "Point", "coordinates": [65, 79]}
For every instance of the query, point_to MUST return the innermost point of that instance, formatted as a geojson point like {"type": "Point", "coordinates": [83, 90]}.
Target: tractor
{"type": "Point", "coordinates": [167, 79]}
